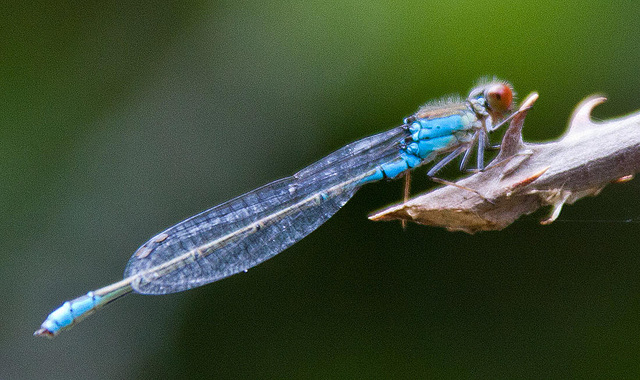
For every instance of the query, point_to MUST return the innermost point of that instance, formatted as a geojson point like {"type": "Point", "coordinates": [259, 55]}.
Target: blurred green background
{"type": "Point", "coordinates": [120, 119]}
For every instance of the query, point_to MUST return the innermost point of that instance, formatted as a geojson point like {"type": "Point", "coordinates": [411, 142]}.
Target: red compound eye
{"type": "Point", "coordinates": [499, 97]}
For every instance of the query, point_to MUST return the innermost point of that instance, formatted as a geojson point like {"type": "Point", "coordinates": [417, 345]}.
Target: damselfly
{"type": "Point", "coordinates": [245, 231]}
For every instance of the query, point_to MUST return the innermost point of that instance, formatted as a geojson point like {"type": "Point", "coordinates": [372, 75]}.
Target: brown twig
{"type": "Point", "coordinates": [525, 177]}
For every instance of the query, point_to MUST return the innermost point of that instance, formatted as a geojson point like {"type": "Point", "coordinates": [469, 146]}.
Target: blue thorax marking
{"type": "Point", "coordinates": [424, 129]}
{"type": "Point", "coordinates": [427, 138]}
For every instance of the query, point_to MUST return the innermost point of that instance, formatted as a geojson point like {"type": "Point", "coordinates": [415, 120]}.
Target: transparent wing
{"type": "Point", "coordinates": [245, 231]}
